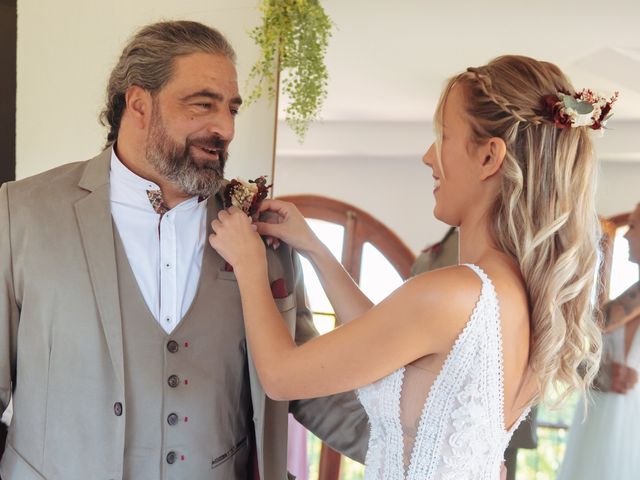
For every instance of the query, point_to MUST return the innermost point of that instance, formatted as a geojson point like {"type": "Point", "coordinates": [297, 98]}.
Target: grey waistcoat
{"type": "Point", "coordinates": [187, 402]}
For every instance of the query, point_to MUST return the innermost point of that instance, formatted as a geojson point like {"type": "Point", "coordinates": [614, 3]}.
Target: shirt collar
{"type": "Point", "coordinates": [122, 175]}
{"type": "Point", "coordinates": [131, 189]}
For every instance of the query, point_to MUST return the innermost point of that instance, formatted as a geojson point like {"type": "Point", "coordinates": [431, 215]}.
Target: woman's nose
{"type": "Point", "coordinates": [429, 157]}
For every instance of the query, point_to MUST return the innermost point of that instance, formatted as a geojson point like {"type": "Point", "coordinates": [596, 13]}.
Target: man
{"type": "Point", "coordinates": [121, 336]}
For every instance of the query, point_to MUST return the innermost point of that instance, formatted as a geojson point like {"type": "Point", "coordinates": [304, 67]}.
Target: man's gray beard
{"type": "Point", "coordinates": [175, 164]}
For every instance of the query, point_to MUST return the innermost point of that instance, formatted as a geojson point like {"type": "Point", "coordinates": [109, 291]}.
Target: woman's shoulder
{"type": "Point", "coordinates": [440, 304]}
{"type": "Point", "coordinates": [458, 287]}
{"type": "Point", "coordinates": [455, 281]}
{"type": "Point", "coordinates": [446, 295]}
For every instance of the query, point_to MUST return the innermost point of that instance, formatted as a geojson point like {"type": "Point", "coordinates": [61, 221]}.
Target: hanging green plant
{"type": "Point", "coordinates": [293, 40]}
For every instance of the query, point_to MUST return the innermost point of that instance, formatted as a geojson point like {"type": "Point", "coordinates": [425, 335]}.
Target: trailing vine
{"type": "Point", "coordinates": [293, 39]}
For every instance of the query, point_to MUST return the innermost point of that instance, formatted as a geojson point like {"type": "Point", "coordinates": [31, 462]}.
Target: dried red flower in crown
{"type": "Point", "coordinates": [582, 109]}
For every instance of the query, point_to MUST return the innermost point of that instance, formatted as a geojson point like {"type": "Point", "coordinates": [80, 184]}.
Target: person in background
{"type": "Point", "coordinates": [604, 444]}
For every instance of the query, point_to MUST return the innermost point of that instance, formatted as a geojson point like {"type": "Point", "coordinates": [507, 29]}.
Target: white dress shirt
{"type": "Point", "coordinates": [165, 252]}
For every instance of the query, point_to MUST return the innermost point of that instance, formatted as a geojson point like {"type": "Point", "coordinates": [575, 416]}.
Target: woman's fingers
{"type": "Point", "coordinates": [234, 237]}
{"type": "Point", "coordinates": [284, 209]}
{"type": "Point", "coordinates": [273, 205]}
{"type": "Point", "coordinates": [270, 229]}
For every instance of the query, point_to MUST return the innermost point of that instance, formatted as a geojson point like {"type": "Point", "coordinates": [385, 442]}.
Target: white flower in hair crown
{"type": "Point", "coordinates": [583, 109]}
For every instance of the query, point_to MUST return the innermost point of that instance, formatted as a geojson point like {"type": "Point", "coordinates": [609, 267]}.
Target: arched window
{"type": "Point", "coordinates": [376, 259]}
{"type": "Point", "coordinates": [617, 271]}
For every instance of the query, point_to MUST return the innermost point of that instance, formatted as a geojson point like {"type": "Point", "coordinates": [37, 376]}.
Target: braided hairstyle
{"type": "Point", "coordinates": [544, 215]}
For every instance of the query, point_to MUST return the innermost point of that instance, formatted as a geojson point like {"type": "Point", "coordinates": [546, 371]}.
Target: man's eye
{"type": "Point", "coordinates": [206, 106]}
{"type": "Point", "coordinates": [234, 111]}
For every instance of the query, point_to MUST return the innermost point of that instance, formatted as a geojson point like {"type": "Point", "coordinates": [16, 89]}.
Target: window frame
{"type": "Point", "coordinates": [359, 228]}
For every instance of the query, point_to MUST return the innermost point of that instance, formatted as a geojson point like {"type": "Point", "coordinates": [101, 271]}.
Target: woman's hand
{"type": "Point", "coordinates": [282, 220]}
{"type": "Point", "coordinates": [235, 238]}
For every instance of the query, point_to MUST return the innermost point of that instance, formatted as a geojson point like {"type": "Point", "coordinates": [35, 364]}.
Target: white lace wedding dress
{"type": "Point", "coordinates": [454, 430]}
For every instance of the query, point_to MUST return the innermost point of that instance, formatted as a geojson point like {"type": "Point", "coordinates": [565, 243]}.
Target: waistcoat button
{"type": "Point", "coordinates": [173, 381]}
{"type": "Point", "coordinates": [171, 457]}
{"type": "Point", "coordinates": [172, 346]}
{"type": "Point", "coordinates": [172, 419]}
{"type": "Point", "coordinates": [117, 409]}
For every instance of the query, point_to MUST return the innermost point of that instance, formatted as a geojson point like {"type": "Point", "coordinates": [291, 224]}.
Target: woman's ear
{"type": "Point", "coordinates": [493, 153]}
{"type": "Point", "coordinates": [138, 105]}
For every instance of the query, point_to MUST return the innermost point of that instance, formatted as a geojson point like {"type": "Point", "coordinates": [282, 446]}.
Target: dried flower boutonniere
{"type": "Point", "coordinates": [247, 196]}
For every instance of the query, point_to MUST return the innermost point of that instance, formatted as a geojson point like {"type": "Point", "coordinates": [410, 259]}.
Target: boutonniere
{"type": "Point", "coordinates": [247, 196]}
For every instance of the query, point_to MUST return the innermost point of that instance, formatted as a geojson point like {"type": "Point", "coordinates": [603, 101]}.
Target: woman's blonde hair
{"type": "Point", "coordinates": [544, 215]}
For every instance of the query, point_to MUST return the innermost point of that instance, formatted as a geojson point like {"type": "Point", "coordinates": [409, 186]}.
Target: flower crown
{"type": "Point", "coordinates": [582, 109]}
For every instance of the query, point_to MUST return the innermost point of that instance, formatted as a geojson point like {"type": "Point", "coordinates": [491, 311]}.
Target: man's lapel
{"type": "Point", "coordinates": [258, 397]}
{"type": "Point", "coordinates": [93, 213]}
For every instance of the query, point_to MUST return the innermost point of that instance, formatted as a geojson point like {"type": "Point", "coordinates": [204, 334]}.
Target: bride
{"type": "Point", "coordinates": [449, 363]}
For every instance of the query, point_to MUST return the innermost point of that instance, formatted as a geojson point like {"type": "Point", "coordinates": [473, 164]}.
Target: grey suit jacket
{"type": "Point", "coordinates": [61, 347]}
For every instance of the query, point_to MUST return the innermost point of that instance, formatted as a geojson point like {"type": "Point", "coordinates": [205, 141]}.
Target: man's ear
{"type": "Point", "coordinates": [493, 153]}
{"type": "Point", "coordinates": [138, 105]}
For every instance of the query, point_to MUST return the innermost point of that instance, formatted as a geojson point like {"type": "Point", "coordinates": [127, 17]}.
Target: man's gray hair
{"type": "Point", "coordinates": [148, 61]}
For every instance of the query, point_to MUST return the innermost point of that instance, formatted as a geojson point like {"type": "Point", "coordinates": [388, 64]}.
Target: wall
{"type": "Point", "coordinates": [618, 187]}
{"type": "Point", "coordinates": [66, 50]}
{"type": "Point", "coordinates": [397, 191]}
{"type": "Point", "coordinates": [377, 167]}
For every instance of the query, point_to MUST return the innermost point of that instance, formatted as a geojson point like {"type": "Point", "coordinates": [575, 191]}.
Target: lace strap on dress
{"type": "Point", "coordinates": [494, 334]}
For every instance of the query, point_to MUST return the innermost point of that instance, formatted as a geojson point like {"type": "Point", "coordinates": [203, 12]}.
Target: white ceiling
{"type": "Point", "coordinates": [388, 60]}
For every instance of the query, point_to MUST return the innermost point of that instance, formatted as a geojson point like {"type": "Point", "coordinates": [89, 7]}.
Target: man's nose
{"type": "Point", "coordinates": [223, 126]}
